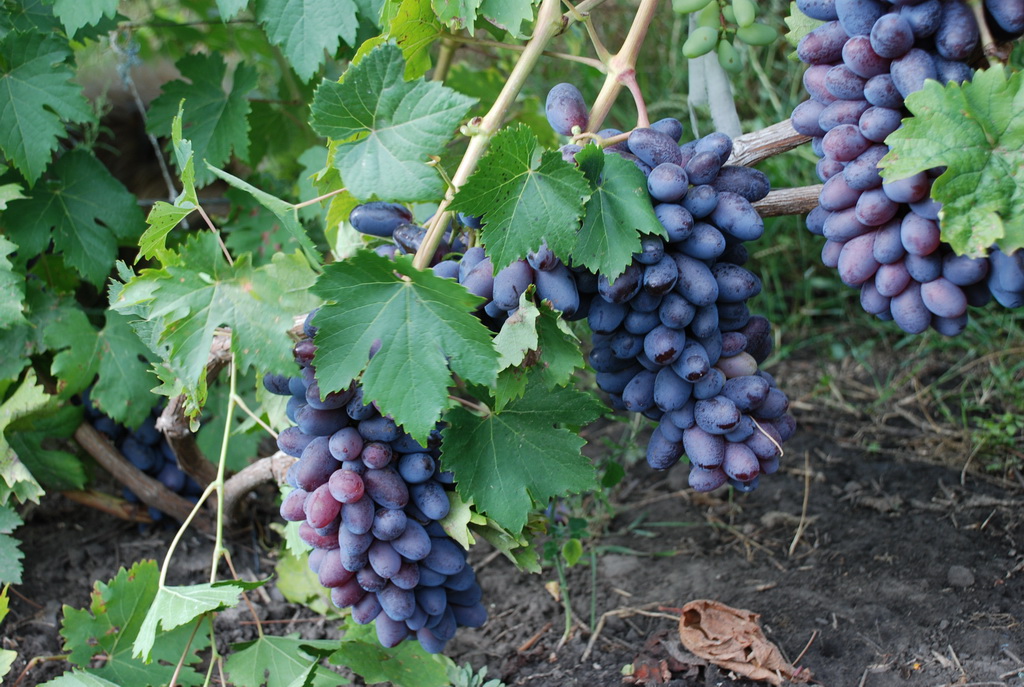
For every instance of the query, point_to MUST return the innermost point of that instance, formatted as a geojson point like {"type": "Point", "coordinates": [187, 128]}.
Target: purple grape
{"type": "Point", "coordinates": [565, 109]}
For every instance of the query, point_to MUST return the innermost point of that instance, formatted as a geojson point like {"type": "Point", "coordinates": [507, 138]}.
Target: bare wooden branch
{"type": "Point", "coordinates": [109, 504]}
{"type": "Point", "coordinates": [269, 469]}
{"type": "Point", "coordinates": [749, 149]}
{"type": "Point", "coordinates": [150, 491]}
{"type": "Point", "coordinates": [175, 426]}
{"type": "Point", "coordinates": [789, 201]}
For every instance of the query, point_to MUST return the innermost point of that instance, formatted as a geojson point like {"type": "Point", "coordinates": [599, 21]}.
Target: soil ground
{"type": "Point", "coordinates": [873, 558]}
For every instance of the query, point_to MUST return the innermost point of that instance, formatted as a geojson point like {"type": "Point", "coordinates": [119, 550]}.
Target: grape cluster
{"type": "Point", "coordinates": [884, 238]}
{"type": "Point", "coordinates": [147, 449]}
{"type": "Point", "coordinates": [553, 280]}
{"type": "Point", "coordinates": [714, 30]}
{"type": "Point", "coordinates": [673, 336]}
{"type": "Point", "coordinates": [369, 499]}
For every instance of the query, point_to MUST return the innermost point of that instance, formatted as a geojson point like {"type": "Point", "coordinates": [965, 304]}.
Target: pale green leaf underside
{"type": "Point", "coordinates": [165, 216]}
{"type": "Point", "coordinates": [387, 128]}
{"type": "Point", "coordinates": [15, 479]}
{"type": "Point", "coordinates": [74, 14]}
{"type": "Point", "coordinates": [175, 606]}
{"type": "Point", "coordinates": [12, 288]}
{"type": "Point", "coordinates": [976, 130]}
{"type": "Point", "coordinates": [279, 661]}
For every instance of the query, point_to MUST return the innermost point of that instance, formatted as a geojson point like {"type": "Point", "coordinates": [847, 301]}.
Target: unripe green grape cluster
{"type": "Point", "coordinates": [718, 24]}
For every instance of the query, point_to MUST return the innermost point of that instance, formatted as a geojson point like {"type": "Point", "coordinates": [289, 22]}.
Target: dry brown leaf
{"type": "Point", "coordinates": [731, 638]}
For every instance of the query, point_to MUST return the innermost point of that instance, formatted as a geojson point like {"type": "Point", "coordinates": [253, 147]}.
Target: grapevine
{"type": "Point", "coordinates": [426, 286]}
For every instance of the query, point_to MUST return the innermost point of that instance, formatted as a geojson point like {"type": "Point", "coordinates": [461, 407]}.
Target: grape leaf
{"type": "Point", "coordinates": [111, 624]}
{"type": "Point", "coordinates": [281, 661]}
{"type": "Point", "coordinates": [299, 584]}
{"type": "Point", "coordinates": [387, 128]}
{"type": "Point", "coordinates": [526, 197]}
{"type": "Point", "coordinates": [305, 29]}
{"type": "Point", "coordinates": [115, 353]}
{"type": "Point", "coordinates": [86, 210]}
{"type": "Point", "coordinates": [10, 559]}
{"type": "Point", "coordinates": [508, 14]}
{"type": "Point", "coordinates": [79, 678]}
{"type": "Point", "coordinates": [512, 460]}
{"type": "Point", "coordinates": [976, 130]}
{"type": "Point", "coordinates": [287, 213]}
{"type": "Point", "coordinates": [182, 304]}
{"type": "Point", "coordinates": [74, 14]}
{"type": "Point", "coordinates": [215, 122]}
{"type": "Point", "coordinates": [12, 288]}
{"type": "Point", "coordinates": [229, 8]}
{"type": "Point", "coordinates": [424, 323]}
{"type": "Point", "coordinates": [457, 14]}
{"type": "Point", "coordinates": [534, 342]}
{"type": "Point", "coordinates": [413, 26]}
{"type": "Point", "coordinates": [31, 435]}
{"type": "Point", "coordinates": [163, 217]}
{"type": "Point", "coordinates": [36, 94]}
{"type": "Point", "coordinates": [799, 26]}
{"type": "Point", "coordinates": [175, 607]}
{"type": "Point", "coordinates": [618, 214]}
{"type": "Point", "coordinates": [16, 479]}
{"type": "Point", "coordinates": [9, 192]}
{"type": "Point", "coordinates": [7, 656]}
{"type": "Point", "coordinates": [406, 664]}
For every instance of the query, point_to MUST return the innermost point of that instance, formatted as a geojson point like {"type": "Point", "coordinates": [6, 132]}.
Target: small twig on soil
{"type": "Point", "coordinates": [36, 660]}
{"type": "Point", "coordinates": [803, 510]}
{"type": "Point", "coordinates": [150, 491]}
{"type": "Point", "coordinates": [814, 635]}
{"type": "Point", "coordinates": [623, 613]}
{"type": "Point", "coordinates": [529, 643]}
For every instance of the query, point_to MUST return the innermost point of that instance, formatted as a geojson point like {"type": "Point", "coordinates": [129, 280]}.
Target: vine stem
{"type": "Point", "coordinates": [581, 59]}
{"type": "Point", "coordinates": [622, 69]}
{"type": "Point", "coordinates": [549, 23]}
{"type": "Point", "coordinates": [988, 43]}
{"type": "Point", "coordinates": [229, 413]}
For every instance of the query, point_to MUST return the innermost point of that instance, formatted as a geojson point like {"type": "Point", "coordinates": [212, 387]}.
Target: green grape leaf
{"type": "Point", "coordinates": [31, 435]}
{"type": "Point", "coordinates": [215, 122]}
{"type": "Point", "coordinates": [619, 213]}
{"type": "Point", "coordinates": [175, 607]}
{"type": "Point", "coordinates": [112, 623]}
{"type": "Point", "coordinates": [414, 28]}
{"type": "Point", "coordinates": [9, 192]}
{"type": "Point", "coordinates": [518, 458]}
{"type": "Point", "coordinates": [526, 196]}
{"type": "Point", "coordinates": [305, 29]}
{"type": "Point", "coordinates": [535, 342]}
{"type": "Point", "coordinates": [163, 217]}
{"type": "Point", "coordinates": [406, 664]}
{"type": "Point", "coordinates": [425, 326]}
{"type": "Point", "coordinates": [457, 14]}
{"type": "Point", "coordinates": [115, 353]}
{"type": "Point", "coordinates": [15, 479]}
{"type": "Point", "coordinates": [79, 678]}
{"type": "Point", "coordinates": [287, 213]}
{"type": "Point", "coordinates": [74, 14]}
{"type": "Point", "coordinates": [87, 212]}
{"type": "Point", "coordinates": [976, 130]}
{"type": "Point", "coordinates": [508, 14]}
{"type": "Point", "coordinates": [387, 128]}
{"type": "Point", "coordinates": [299, 584]}
{"type": "Point", "coordinates": [10, 559]}
{"type": "Point", "coordinates": [43, 307]}
{"type": "Point", "coordinates": [230, 8]}
{"type": "Point", "coordinates": [182, 304]}
{"type": "Point", "coordinates": [12, 288]}
{"type": "Point", "coordinates": [799, 25]}
{"type": "Point", "coordinates": [282, 661]}
{"type": "Point", "coordinates": [36, 97]}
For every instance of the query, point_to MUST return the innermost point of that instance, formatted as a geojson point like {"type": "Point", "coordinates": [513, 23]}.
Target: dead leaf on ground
{"type": "Point", "coordinates": [732, 639]}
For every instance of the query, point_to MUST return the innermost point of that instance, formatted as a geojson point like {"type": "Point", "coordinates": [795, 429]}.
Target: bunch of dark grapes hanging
{"type": "Point", "coordinates": [884, 238]}
{"type": "Point", "coordinates": [673, 336]}
{"type": "Point", "coordinates": [369, 499]}
{"type": "Point", "coordinates": [147, 449]}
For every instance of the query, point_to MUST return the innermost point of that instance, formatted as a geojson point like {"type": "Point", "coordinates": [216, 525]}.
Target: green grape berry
{"type": "Point", "coordinates": [757, 34]}
{"type": "Point", "coordinates": [710, 16]}
{"type": "Point", "coordinates": [728, 14]}
{"type": "Point", "coordinates": [687, 6]}
{"type": "Point", "coordinates": [701, 42]}
{"type": "Point", "coordinates": [745, 12]}
{"type": "Point", "coordinates": [729, 57]}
